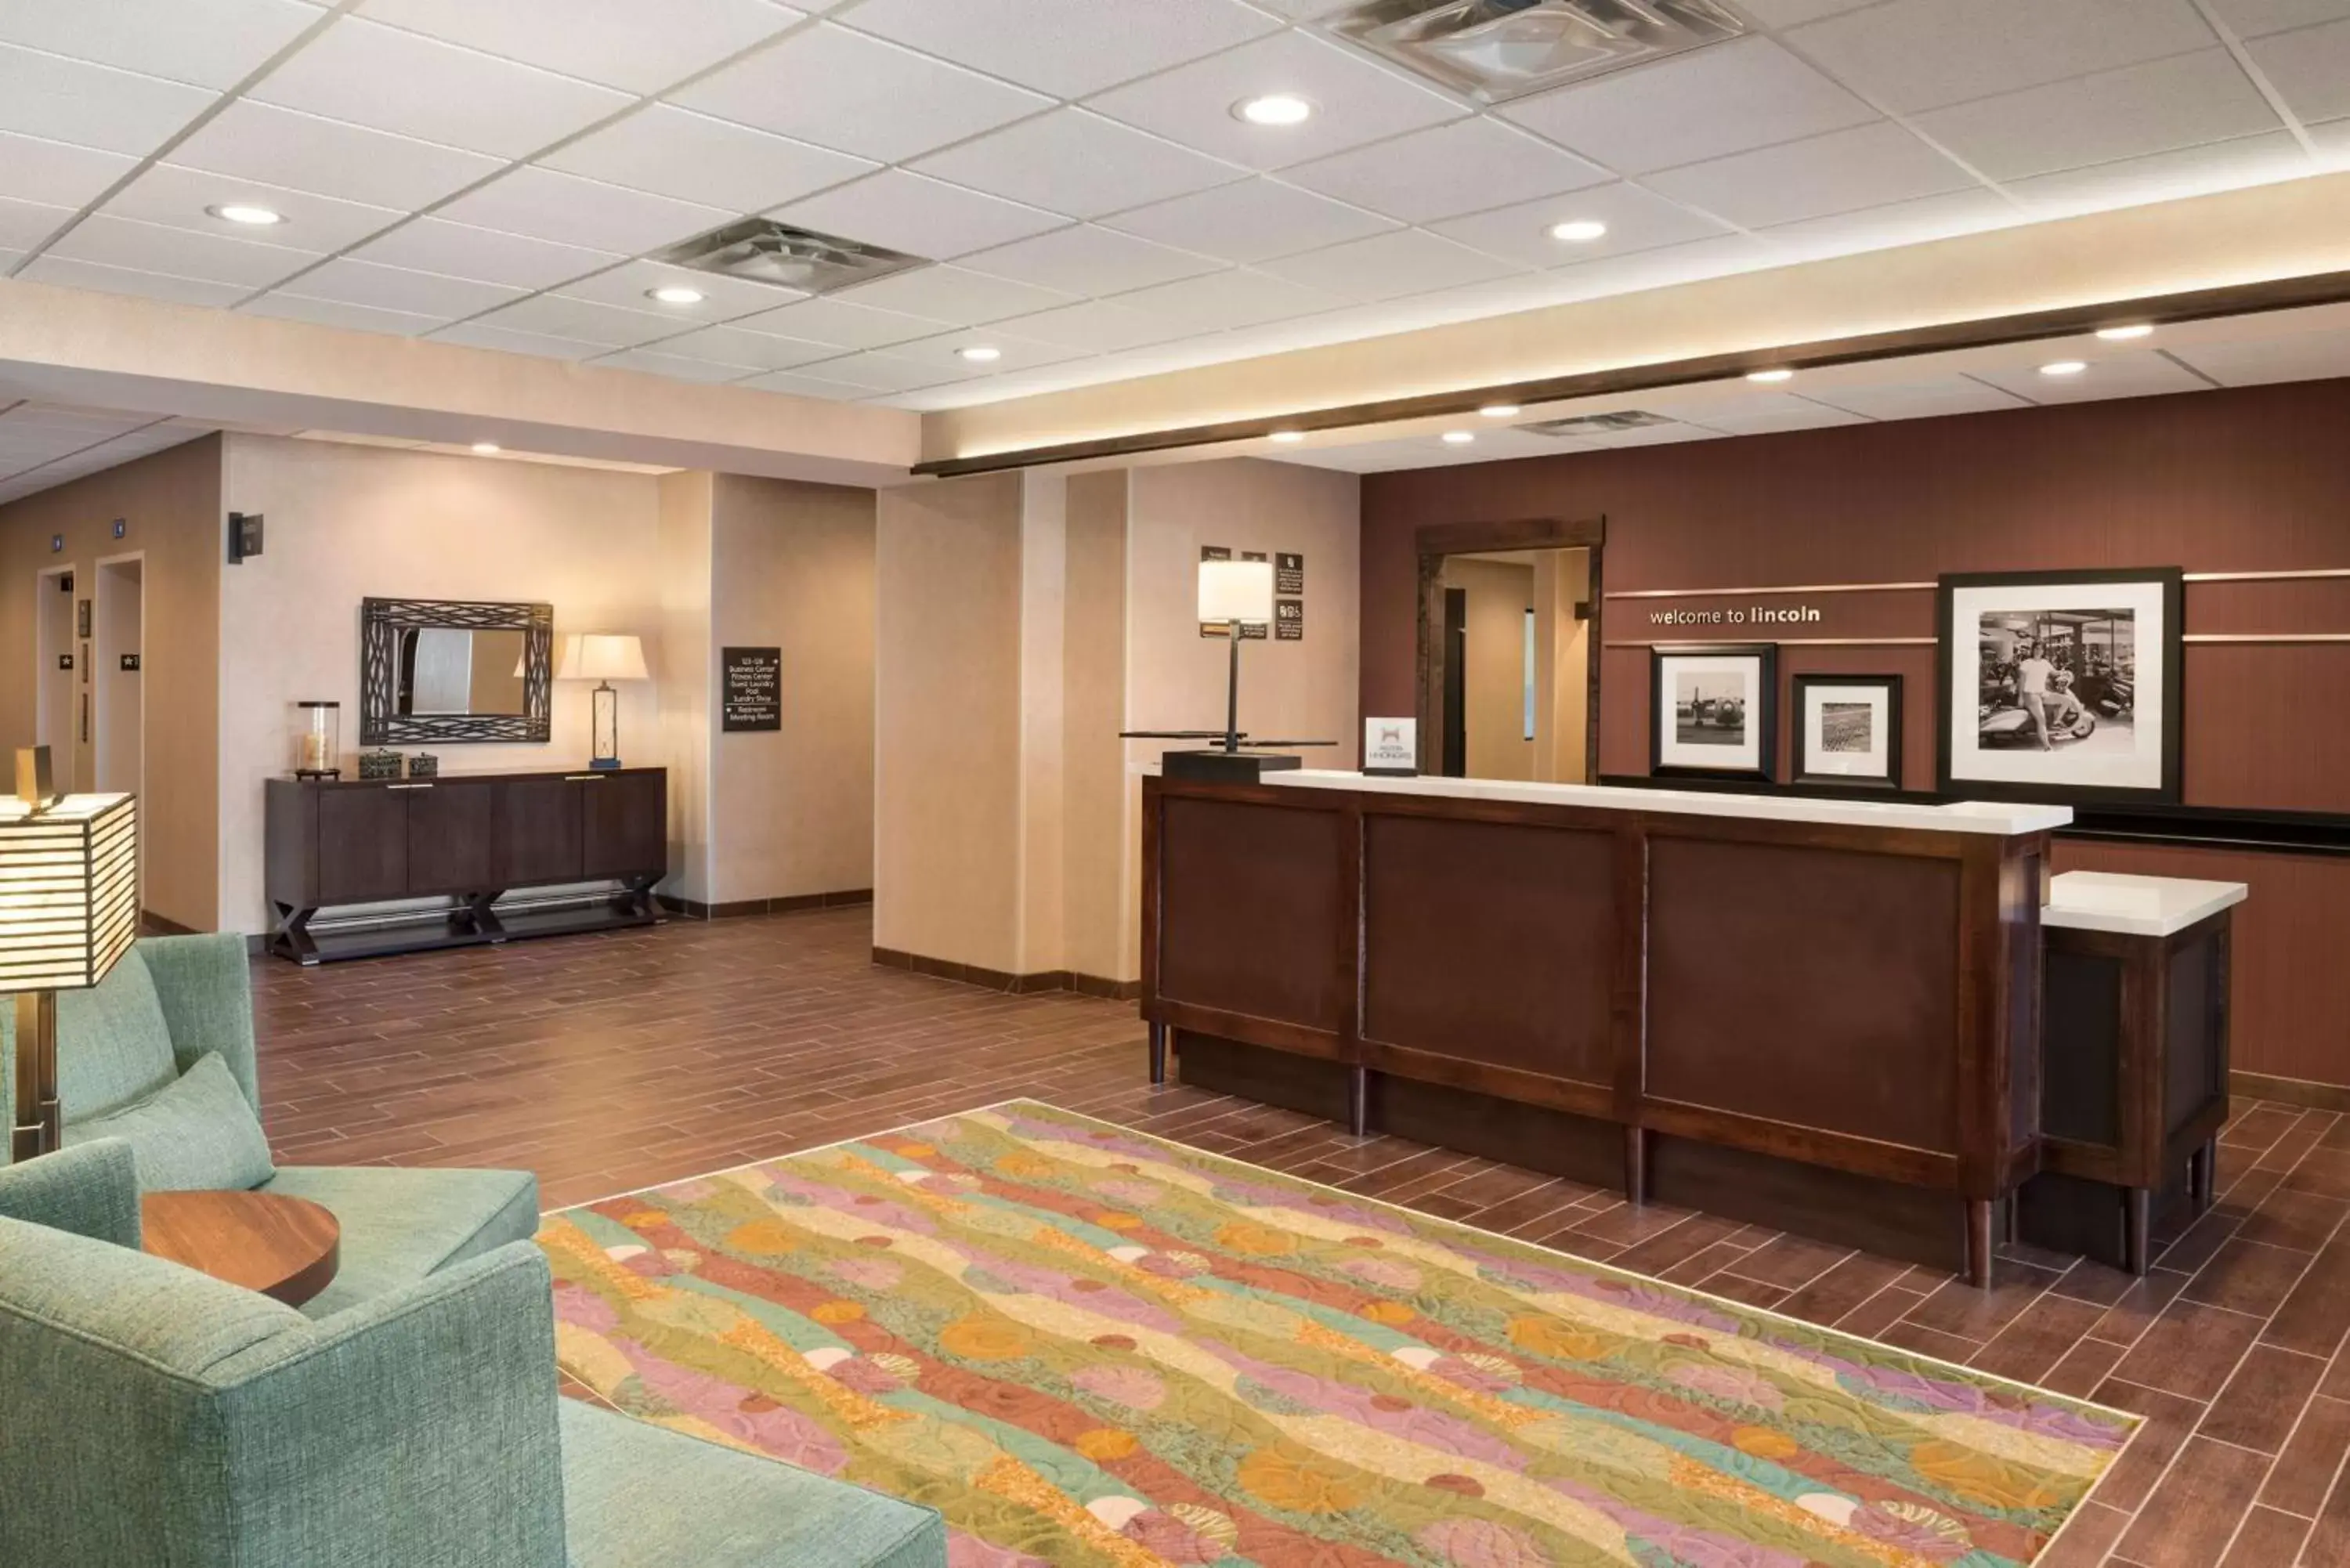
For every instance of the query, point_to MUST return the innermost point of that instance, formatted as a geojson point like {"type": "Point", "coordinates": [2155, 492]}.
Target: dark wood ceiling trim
{"type": "Point", "coordinates": [2069, 321]}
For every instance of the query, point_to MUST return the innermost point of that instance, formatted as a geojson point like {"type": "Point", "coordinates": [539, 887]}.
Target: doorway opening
{"type": "Point", "coordinates": [117, 651]}
{"type": "Point", "coordinates": [56, 674]}
{"type": "Point", "coordinates": [1509, 650]}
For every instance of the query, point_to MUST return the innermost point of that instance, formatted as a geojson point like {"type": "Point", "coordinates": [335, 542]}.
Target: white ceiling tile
{"type": "Point", "coordinates": [1355, 102]}
{"type": "Point", "coordinates": [676, 367]}
{"type": "Point", "coordinates": [1688, 262]}
{"type": "Point", "coordinates": [25, 225]}
{"type": "Point", "coordinates": [2310, 67]}
{"type": "Point", "coordinates": [1727, 98]}
{"type": "Point", "coordinates": [57, 172]}
{"type": "Point", "coordinates": [2303, 357]}
{"type": "Point", "coordinates": [1095, 326]}
{"type": "Point", "coordinates": [548, 205]}
{"type": "Point", "coordinates": [1816, 417]}
{"type": "Point", "coordinates": [640, 45]}
{"type": "Point", "coordinates": [1066, 47]}
{"type": "Point", "coordinates": [304, 152]}
{"type": "Point", "coordinates": [458, 250]}
{"type": "Point", "coordinates": [1089, 259]}
{"type": "Point", "coordinates": [760, 350]}
{"type": "Point", "coordinates": [1911, 55]}
{"type": "Point", "coordinates": [2114, 375]}
{"type": "Point", "coordinates": [210, 42]}
{"type": "Point", "coordinates": [1898, 224]}
{"type": "Point", "coordinates": [2331, 140]}
{"type": "Point", "coordinates": [413, 86]}
{"type": "Point", "coordinates": [92, 106]}
{"type": "Point", "coordinates": [179, 198]}
{"type": "Point", "coordinates": [671, 151]}
{"type": "Point", "coordinates": [880, 373]}
{"type": "Point", "coordinates": [1013, 352]}
{"type": "Point", "coordinates": [1254, 221]}
{"type": "Point", "coordinates": [2166, 176]}
{"type": "Point", "coordinates": [861, 95]}
{"type": "Point", "coordinates": [2157, 107]}
{"type": "Point", "coordinates": [2254, 18]}
{"type": "Point", "coordinates": [1386, 267]}
{"type": "Point", "coordinates": [1226, 299]}
{"type": "Point", "coordinates": [68, 274]}
{"type": "Point", "coordinates": [1842, 171]}
{"type": "Point", "coordinates": [722, 298]}
{"type": "Point", "coordinates": [955, 295]}
{"type": "Point", "coordinates": [1305, 10]}
{"type": "Point", "coordinates": [346, 281]}
{"type": "Point", "coordinates": [336, 313]}
{"type": "Point", "coordinates": [1795, 12]}
{"type": "Point", "coordinates": [471, 335]}
{"type": "Point", "coordinates": [179, 252]}
{"type": "Point", "coordinates": [1637, 220]}
{"type": "Point", "coordinates": [844, 326]}
{"type": "Point", "coordinates": [1077, 163]}
{"type": "Point", "coordinates": [1910, 400]}
{"type": "Point", "coordinates": [581, 320]}
{"type": "Point", "coordinates": [794, 384]}
{"type": "Point", "coordinates": [1447, 171]}
{"type": "Point", "coordinates": [920, 216]}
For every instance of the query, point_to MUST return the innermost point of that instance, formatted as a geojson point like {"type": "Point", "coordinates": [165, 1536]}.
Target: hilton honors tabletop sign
{"type": "Point", "coordinates": [752, 697]}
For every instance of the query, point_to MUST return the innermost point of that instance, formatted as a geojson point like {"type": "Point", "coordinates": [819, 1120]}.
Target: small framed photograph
{"type": "Point", "coordinates": [1848, 730]}
{"type": "Point", "coordinates": [2060, 686]}
{"type": "Point", "coordinates": [1713, 709]}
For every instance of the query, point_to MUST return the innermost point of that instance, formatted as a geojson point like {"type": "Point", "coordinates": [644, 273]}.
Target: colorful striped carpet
{"type": "Point", "coordinates": [1084, 1345]}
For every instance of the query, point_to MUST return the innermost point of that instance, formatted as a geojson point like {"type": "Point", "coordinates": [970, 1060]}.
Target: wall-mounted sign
{"type": "Point", "coordinates": [1289, 620]}
{"type": "Point", "coordinates": [130, 664]}
{"type": "Point", "coordinates": [122, 528]}
{"type": "Point", "coordinates": [1288, 573]}
{"type": "Point", "coordinates": [81, 618]}
{"type": "Point", "coordinates": [65, 661]}
{"type": "Point", "coordinates": [1391, 747]}
{"type": "Point", "coordinates": [1251, 631]}
{"type": "Point", "coordinates": [1739, 616]}
{"type": "Point", "coordinates": [754, 695]}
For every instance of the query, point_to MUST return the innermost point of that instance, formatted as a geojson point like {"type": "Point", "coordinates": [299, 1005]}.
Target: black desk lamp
{"type": "Point", "coordinates": [1239, 594]}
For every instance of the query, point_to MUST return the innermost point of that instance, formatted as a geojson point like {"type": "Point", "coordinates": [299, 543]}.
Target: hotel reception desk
{"type": "Point", "coordinates": [1820, 1015]}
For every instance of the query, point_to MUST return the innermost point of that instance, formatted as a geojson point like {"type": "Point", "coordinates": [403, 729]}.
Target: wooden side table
{"type": "Point", "coordinates": [2134, 1060]}
{"type": "Point", "coordinates": [286, 1248]}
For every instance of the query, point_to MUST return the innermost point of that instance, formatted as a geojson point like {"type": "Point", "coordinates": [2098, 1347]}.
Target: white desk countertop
{"type": "Point", "coordinates": [2135, 906]}
{"type": "Point", "coordinates": [1962, 816]}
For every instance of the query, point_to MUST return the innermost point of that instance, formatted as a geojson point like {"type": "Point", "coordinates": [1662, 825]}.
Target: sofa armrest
{"type": "Point", "coordinates": [90, 1190]}
{"type": "Point", "coordinates": [205, 984]}
{"type": "Point", "coordinates": [422, 1421]}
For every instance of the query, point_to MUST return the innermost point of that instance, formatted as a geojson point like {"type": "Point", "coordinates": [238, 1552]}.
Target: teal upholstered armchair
{"type": "Point", "coordinates": [151, 1415]}
{"type": "Point", "coordinates": [161, 1057]}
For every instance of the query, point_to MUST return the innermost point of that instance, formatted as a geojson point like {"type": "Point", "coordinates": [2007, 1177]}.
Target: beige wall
{"type": "Point", "coordinates": [682, 669]}
{"type": "Point", "coordinates": [1562, 581]}
{"type": "Point", "coordinates": [792, 565]}
{"type": "Point", "coordinates": [1493, 684]}
{"type": "Point", "coordinates": [171, 504]}
{"type": "Point", "coordinates": [345, 523]}
{"type": "Point", "coordinates": [1100, 801]}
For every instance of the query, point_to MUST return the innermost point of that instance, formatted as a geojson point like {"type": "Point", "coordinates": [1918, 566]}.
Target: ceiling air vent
{"type": "Point", "coordinates": [1600, 424]}
{"type": "Point", "coordinates": [1497, 49]}
{"type": "Point", "coordinates": [759, 250]}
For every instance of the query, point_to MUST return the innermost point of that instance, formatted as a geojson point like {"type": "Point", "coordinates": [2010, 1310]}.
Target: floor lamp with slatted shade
{"type": "Point", "coordinates": [69, 911]}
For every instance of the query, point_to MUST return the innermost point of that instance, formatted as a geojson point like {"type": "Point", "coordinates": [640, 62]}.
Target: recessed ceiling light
{"type": "Point", "coordinates": [676, 294]}
{"type": "Point", "coordinates": [1579, 231]}
{"type": "Point", "coordinates": [980, 353]}
{"type": "Point", "coordinates": [2064, 367]}
{"type": "Point", "coordinates": [1289, 438]}
{"type": "Point", "coordinates": [486, 449]}
{"type": "Point", "coordinates": [245, 212]}
{"type": "Point", "coordinates": [1500, 411]}
{"type": "Point", "coordinates": [1769, 376]}
{"type": "Point", "coordinates": [1274, 109]}
{"type": "Point", "coordinates": [2123, 334]}
{"type": "Point", "coordinates": [1459, 438]}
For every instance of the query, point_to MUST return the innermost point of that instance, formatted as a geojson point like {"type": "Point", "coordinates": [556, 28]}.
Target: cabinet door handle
{"type": "Point", "coordinates": [583, 778]}
{"type": "Point", "coordinates": [407, 786]}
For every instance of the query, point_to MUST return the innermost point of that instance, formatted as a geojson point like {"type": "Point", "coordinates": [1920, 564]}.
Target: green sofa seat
{"type": "Point", "coordinates": [157, 1417]}
{"type": "Point", "coordinates": [172, 1002]}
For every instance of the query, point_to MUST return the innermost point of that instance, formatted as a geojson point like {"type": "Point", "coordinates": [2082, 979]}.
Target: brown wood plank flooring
{"type": "Point", "coordinates": [608, 1064]}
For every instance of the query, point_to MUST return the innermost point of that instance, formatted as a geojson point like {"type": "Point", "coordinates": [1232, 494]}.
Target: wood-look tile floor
{"type": "Point", "coordinates": [608, 1063]}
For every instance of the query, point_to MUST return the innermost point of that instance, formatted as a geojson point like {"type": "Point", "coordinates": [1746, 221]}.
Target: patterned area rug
{"type": "Point", "coordinates": [1084, 1345]}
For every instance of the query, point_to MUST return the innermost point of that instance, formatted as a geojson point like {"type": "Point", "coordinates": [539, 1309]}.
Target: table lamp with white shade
{"type": "Point", "coordinates": [604, 658]}
{"type": "Point", "coordinates": [1240, 595]}
{"type": "Point", "coordinates": [68, 911]}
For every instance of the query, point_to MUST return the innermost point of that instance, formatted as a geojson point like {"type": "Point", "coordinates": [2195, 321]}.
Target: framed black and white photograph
{"type": "Point", "coordinates": [1713, 709]}
{"type": "Point", "coordinates": [1848, 730]}
{"type": "Point", "coordinates": [2060, 686]}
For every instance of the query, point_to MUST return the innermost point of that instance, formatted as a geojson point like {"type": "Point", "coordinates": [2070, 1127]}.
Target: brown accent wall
{"type": "Point", "coordinates": [2248, 480]}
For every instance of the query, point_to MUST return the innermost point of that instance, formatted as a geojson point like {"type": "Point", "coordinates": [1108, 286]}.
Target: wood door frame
{"type": "Point", "coordinates": [1433, 543]}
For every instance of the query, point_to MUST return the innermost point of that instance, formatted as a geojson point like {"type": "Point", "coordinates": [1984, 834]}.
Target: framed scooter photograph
{"type": "Point", "coordinates": [2060, 686]}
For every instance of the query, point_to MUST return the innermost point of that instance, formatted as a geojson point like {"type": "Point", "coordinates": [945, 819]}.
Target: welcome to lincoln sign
{"type": "Point", "coordinates": [1753, 615]}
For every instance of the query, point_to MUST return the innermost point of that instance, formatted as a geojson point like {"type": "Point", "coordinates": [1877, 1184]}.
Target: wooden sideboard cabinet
{"type": "Point", "coordinates": [471, 838]}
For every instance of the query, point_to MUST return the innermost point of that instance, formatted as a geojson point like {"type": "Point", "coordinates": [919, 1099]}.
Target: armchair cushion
{"type": "Point", "coordinates": [114, 1048]}
{"type": "Point", "coordinates": [641, 1496]}
{"type": "Point", "coordinates": [197, 1133]}
{"type": "Point", "coordinates": [400, 1225]}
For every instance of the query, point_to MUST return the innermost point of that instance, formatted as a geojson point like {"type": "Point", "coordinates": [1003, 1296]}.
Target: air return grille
{"type": "Point", "coordinates": [1497, 49]}
{"type": "Point", "coordinates": [1601, 424]}
{"type": "Point", "coordinates": [759, 250]}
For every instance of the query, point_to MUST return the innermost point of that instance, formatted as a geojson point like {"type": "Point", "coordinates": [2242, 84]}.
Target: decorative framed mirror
{"type": "Point", "coordinates": [452, 672]}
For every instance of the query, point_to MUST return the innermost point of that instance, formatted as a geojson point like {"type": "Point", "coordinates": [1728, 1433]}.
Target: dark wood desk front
{"type": "Point", "coordinates": [1825, 1027]}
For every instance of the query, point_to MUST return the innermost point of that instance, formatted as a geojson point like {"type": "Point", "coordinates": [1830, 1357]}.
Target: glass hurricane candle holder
{"type": "Point", "coordinates": [317, 739]}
